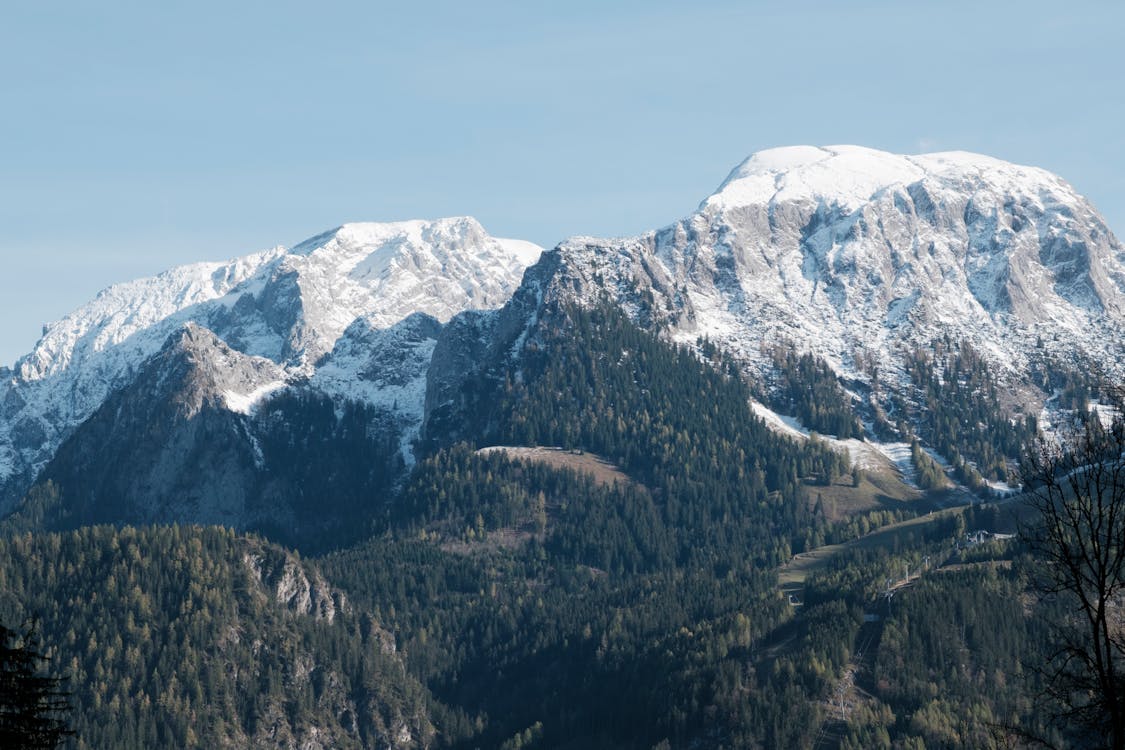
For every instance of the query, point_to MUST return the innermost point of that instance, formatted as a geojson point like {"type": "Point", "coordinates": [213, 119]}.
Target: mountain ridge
{"type": "Point", "coordinates": [291, 307]}
{"type": "Point", "coordinates": [857, 256]}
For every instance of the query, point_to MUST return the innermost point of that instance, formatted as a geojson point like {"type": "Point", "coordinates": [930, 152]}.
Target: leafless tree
{"type": "Point", "coordinates": [1076, 486]}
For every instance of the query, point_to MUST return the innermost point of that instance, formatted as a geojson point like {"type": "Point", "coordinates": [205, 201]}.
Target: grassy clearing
{"type": "Point", "coordinates": [602, 471]}
{"type": "Point", "coordinates": [881, 490]}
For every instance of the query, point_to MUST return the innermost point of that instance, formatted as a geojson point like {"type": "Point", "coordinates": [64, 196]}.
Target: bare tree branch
{"type": "Point", "coordinates": [1076, 486]}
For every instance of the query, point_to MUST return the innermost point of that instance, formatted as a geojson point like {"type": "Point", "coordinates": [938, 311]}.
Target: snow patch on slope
{"type": "Point", "coordinates": [779, 423]}
{"type": "Point", "coordinates": [527, 253]}
{"type": "Point", "coordinates": [900, 455]}
{"type": "Point", "coordinates": [244, 403]}
{"type": "Point", "coordinates": [864, 454]}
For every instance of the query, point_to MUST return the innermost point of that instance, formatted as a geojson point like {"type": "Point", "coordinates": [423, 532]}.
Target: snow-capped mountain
{"type": "Point", "coordinates": [846, 251]}
{"type": "Point", "coordinates": [304, 309]}
{"type": "Point", "coordinates": [856, 255]}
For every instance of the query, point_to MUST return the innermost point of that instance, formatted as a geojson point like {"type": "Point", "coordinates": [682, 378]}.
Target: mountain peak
{"type": "Point", "coordinates": [453, 234]}
{"type": "Point", "coordinates": [386, 271]}
{"type": "Point", "coordinates": [850, 176]}
{"type": "Point", "coordinates": [370, 233]}
{"type": "Point", "coordinates": [196, 366]}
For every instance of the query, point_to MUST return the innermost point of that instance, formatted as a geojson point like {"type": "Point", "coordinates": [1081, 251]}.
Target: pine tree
{"type": "Point", "coordinates": [33, 708]}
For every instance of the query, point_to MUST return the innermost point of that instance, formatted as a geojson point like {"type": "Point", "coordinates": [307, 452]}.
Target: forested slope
{"type": "Point", "coordinates": [185, 637]}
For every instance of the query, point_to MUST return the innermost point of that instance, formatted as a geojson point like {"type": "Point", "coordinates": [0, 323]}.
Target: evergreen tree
{"type": "Point", "coordinates": [33, 707]}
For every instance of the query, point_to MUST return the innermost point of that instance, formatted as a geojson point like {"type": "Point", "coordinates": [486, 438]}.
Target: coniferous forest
{"type": "Point", "coordinates": [495, 601]}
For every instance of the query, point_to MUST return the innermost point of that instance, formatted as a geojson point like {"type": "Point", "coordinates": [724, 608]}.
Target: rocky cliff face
{"type": "Point", "coordinates": [168, 446]}
{"type": "Point", "coordinates": [347, 715]}
{"type": "Point", "coordinates": [301, 591]}
{"type": "Point", "coordinates": [845, 250]}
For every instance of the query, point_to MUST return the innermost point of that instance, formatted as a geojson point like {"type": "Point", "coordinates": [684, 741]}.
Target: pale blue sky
{"type": "Point", "coordinates": [137, 135]}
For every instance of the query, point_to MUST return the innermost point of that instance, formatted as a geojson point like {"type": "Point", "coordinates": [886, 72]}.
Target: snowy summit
{"type": "Point", "coordinates": [858, 255]}
{"type": "Point", "coordinates": [850, 176]}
